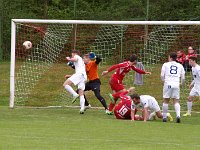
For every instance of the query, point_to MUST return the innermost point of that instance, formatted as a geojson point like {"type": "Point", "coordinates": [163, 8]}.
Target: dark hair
{"type": "Point", "coordinates": [173, 55]}
{"type": "Point", "coordinates": [136, 96]}
{"type": "Point", "coordinates": [76, 51]}
{"type": "Point", "coordinates": [193, 58]}
{"type": "Point", "coordinates": [133, 58]}
{"type": "Point", "coordinates": [86, 55]}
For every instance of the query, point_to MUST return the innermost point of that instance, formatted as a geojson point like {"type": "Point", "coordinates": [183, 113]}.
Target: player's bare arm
{"type": "Point", "coordinates": [191, 84]}
{"type": "Point", "coordinates": [68, 76]}
{"type": "Point", "coordinates": [133, 112]}
{"type": "Point", "coordinates": [145, 113]}
{"type": "Point", "coordinates": [71, 59]}
{"type": "Point", "coordinates": [149, 73]}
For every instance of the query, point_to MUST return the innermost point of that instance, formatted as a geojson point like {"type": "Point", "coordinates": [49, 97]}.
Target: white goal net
{"type": "Point", "coordinates": [37, 74]}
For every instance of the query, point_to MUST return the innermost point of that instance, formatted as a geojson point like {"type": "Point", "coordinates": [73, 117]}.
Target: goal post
{"type": "Point", "coordinates": [36, 74]}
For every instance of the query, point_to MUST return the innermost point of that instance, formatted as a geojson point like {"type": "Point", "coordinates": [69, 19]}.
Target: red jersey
{"type": "Point", "coordinates": [181, 59]}
{"type": "Point", "coordinates": [123, 109]}
{"type": "Point", "coordinates": [189, 55]}
{"type": "Point", "coordinates": [122, 69]}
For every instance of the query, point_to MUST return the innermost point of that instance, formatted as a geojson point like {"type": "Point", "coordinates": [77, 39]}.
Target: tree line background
{"type": "Point", "coordinates": [166, 10]}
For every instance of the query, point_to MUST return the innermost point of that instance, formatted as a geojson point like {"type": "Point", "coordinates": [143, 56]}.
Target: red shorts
{"type": "Point", "coordinates": [118, 116]}
{"type": "Point", "coordinates": [116, 84]}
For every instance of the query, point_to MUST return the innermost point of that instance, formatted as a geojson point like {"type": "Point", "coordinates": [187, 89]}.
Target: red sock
{"type": "Point", "coordinates": [111, 106]}
{"type": "Point", "coordinates": [117, 95]}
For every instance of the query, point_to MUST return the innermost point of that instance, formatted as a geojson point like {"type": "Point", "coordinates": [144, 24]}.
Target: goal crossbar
{"type": "Point", "coordinates": [107, 22]}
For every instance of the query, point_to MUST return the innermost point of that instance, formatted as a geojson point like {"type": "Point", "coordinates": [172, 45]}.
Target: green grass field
{"type": "Point", "coordinates": [64, 128]}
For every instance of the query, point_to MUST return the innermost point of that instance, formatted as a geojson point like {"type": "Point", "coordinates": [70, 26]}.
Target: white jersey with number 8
{"type": "Point", "coordinates": [171, 73]}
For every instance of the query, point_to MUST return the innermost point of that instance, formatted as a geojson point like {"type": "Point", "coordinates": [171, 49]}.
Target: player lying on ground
{"type": "Point", "coordinates": [127, 107]}
{"type": "Point", "coordinates": [79, 78]}
{"type": "Point", "coordinates": [116, 79]}
{"type": "Point", "coordinates": [195, 84]}
{"type": "Point", "coordinates": [171, 73]}
{"type": "Point", "coordinates": [149, 105]}
{"type": "Point", "coordinates": [91, 63]}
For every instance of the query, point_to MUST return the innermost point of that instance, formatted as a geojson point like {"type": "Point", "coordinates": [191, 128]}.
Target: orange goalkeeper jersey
{"type": "Point", "coordinates": [92, 70]}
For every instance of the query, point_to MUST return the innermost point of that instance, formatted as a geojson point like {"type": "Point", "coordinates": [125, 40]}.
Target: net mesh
{"type": "Point", "coordinates": [40, 70]}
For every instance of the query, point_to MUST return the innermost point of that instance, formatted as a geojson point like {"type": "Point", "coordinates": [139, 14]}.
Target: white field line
{"type": "Point", "coordinates": [98, 108]}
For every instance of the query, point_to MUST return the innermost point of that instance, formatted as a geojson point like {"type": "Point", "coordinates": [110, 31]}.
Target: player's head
{"type": "Point", "coordinates": [192, 61]}
{"type": "Point", "coordinates": [133, 59]}
{"type": "Point", "coordinates": [172, 56]}
{"type": "Point", "coordinates": [135, 98]}
{"type": "Point", "coordinates": [75, 52]}
{"type": "Point", "coordinates": [86, 58]}
{"type": "Point", "coordinates": [190, 50]}
{"type": "Point", "coordinates": [179, 53]}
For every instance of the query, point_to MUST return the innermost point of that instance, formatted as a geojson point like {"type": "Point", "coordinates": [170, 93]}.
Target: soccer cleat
{"type": "Point", "coordinates": [81, 111]}
{"type": "Point", "coordinates": [164, 119]}
{"type": "Point", "coordinates": [111, 98]}
{"type": "Point", "coordinates": [75, 98]}
{"type": "Point", "coordinates": [186, 115]}
{"type": "Point", "coordinates": [178, 120]}
{"type": "Point", "coordinates": [169, 117]}
{"type": "Point", "coordinates": [109, 112]}
{"type": "Point", "coordinates": [87, 107]}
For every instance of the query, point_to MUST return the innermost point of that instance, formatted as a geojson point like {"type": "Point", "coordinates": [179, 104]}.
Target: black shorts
{"type": "Point", "coordinates": [93, 85]}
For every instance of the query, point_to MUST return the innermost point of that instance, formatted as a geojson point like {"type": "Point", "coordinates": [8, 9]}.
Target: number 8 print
{"type": "Point", "coordinates": [173, 69]}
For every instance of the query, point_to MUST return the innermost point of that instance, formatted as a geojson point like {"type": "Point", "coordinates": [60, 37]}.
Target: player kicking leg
{"type": "Point", "coordinates": [78, 78]}
{"type": "Point", "coordinates": [116, 80]}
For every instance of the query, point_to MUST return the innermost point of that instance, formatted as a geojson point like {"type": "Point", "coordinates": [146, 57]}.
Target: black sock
{"type": "Point", "coordinates": [103, 102]}
{"type": "Point", "coordinates": [86, 102]}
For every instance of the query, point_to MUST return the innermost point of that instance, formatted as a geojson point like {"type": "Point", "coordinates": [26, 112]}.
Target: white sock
{"type": "Point", "coordinates": [70, 90]}
{"type": "Point", "coordinates": [152, 115]}
{"type": "Point", "coordinates": [82, 102]}
{"type": "Point", "coordinates": [177, 108]}
{"type": "Point", "coordinates": [165, 110]}
{"type": "Point", "coordinates": [189, 107]}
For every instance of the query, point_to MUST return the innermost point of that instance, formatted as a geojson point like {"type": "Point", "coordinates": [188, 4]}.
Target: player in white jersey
{"type": "Point", "coordinates": [79, 78]}
{"type": "Point", "coordinates": [172, 74]}
{"type": "Point", "coordinates": [149, 106]}
{"type": "Point", "coordinates": [195, 84]}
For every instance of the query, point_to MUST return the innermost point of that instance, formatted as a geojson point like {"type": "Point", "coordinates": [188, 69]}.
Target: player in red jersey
{"type": "Point", "coordinates": [116, 79]}
{"type": "Point", "coordinates": [191, 53]}
{"type": "Point", "coordinates": [181, 57]}
{"type": "Point", "coordinates": [123, 109]}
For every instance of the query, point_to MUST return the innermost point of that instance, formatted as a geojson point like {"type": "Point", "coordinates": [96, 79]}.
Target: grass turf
{"type": "Point", "coordinates": [65, 128]}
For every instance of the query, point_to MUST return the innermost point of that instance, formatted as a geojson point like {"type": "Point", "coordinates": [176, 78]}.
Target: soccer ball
{"type": "Point", "coordinates": [27, 44]}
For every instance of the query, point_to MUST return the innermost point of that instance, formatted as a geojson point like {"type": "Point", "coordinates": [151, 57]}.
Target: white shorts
{"type": "Point", "coordinates": [78, 79]}
{"type": "Point", "coordinates": [171, 92]}
{"type": "Point", "coordinates": [195, 91]}
{"type": "Point", "coordinates": [154, 107]}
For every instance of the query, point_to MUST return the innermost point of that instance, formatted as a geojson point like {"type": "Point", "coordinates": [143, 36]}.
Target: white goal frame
{"type": "Point", "coordinates": [13, 37]}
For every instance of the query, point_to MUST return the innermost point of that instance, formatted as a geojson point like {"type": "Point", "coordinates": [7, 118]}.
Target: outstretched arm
{"type": "Point", "coordinates": [139, 70]}
{"type": "Point", "coordinates": [113, 68]}
{"type": "Point", "coordinates": [74, 59]}
{"type": "Point", "coordinates": [98, 60]}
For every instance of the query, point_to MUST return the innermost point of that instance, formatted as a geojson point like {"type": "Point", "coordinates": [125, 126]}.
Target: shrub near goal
{"type": "Point", "coordinates": [37, 74]}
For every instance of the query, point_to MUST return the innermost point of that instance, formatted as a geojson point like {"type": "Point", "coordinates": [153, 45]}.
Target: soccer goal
{"type": "Point", "coordinates": [37, 74]}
